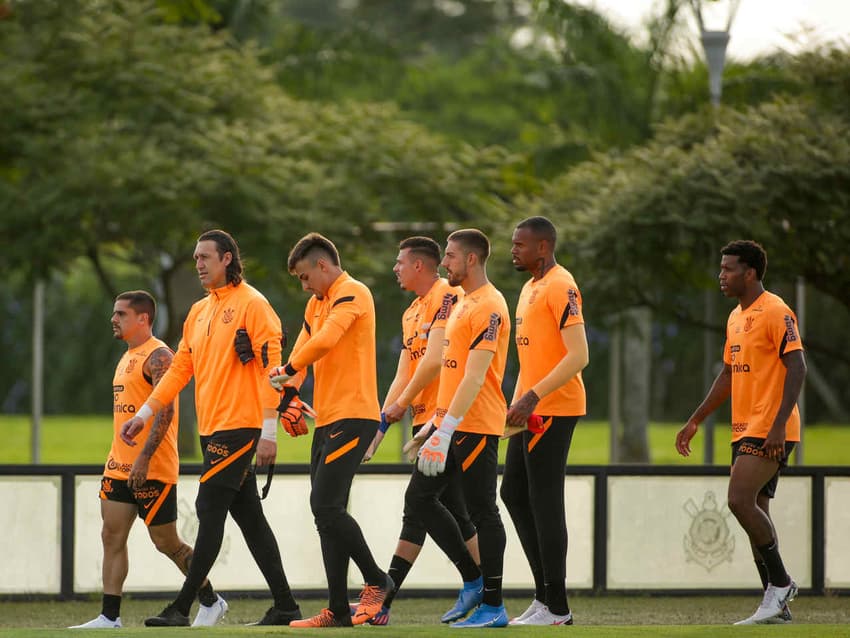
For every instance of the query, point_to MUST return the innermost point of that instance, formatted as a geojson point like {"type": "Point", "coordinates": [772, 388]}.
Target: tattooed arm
{"type": "Point", "coordinates": [155, 366]}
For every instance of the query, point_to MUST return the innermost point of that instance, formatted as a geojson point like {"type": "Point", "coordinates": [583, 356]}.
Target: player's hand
{"type": "Point", "coordinates": [774, 443]}
{"type": "Point", "coordinates": [131, 429]}
{"type": "Point", "coordinates": [411, 448]}
{"type": "Point", "coordinates": [266, 452]}
{"type": "Point", "coordinates": [291, 412]}
{"type": "Point", "coordinates": [684, 436]}
{"type": "Point", "coordinates": [534, 424]}
{"type": "Point", "coordinates": [242, 345]}
{"type": "Point", "coordinates": [278, 378]}
{"type": "Point", "coordinates": [373, 446]}
{"type": "Point", "coordinates": [434, 452]}
{"type": "Point", "coordinates": [138, 473]}
{"type": "Point", "coordinates": [394, 413]}
{"type": "Point", "coordinates": [519, 412]}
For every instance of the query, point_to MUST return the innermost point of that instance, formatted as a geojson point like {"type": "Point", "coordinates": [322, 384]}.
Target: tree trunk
{"type": "Point", "coordinates": [637, 356]}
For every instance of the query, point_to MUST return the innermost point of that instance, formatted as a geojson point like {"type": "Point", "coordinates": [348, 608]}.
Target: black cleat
{"type": "Point", "coordinates": [168, 617]}
{"type": "Point", "coordinates": [275, 616]}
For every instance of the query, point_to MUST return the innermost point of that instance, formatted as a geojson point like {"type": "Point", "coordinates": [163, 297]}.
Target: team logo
{"type": "Point", "coordinates": [106, 484]}
{"type": "Point", "coordinates": [227, 315]}
{"type": "Point", "coordinates": [708, 541]}
{"type": "Point", "coordinates": [748, 324]}
{"type": "Point", "coordinates": [532, 297]}
{"type": "Point", "coordinates": [130, 367]}
{"type": "Point", "coordinates": [790, 329]}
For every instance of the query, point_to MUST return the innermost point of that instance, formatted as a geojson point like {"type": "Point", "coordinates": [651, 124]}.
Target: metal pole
{"type": "Point", "coordinates": [708, 355]}
{"type": "Point", "coordinates": [37, 369]}
{"type": "Point", "coordinates": [801, 400]}
{"type": "Point", "coordinates": [614, 365]}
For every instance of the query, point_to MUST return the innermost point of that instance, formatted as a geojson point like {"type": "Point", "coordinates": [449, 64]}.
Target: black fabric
{"type": "Point", "coordinates": [533, 492]}
{"type": "Point", "coordinates": [398, 571]}
{"type": "Point", "coordinates": [111, 606]}
{"type": "Point", "coordinates": [773, 561]}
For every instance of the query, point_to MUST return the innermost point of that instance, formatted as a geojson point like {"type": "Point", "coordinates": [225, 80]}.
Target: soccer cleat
{"type": "Point", "coordinates": [324, 618]}
{"type": "Point", "coordinates": [485, 616]}
{"type": "Point", "coordinates": [381, 618]}
{"type": "Point", "coordinates": [168, 617]}
{"type": "Point", "coordinates": [209, 616]}
{"type": "Point", "coordinates": [546, 617]}
{"type": "Point", "coordinates": [772, 605]}
{"type": "Point", "coordinates": [469, 598]}
{"type": "Point", "coordinates": [275, 616]}
{"type": "Point", "coordinates": [533, 608]}
{"type": "Point", "coordinates": [782, 619]}
{"type": "Point", "coordinates": [101, 622]}
{"type": "Point", "coordinates": [372, 601]}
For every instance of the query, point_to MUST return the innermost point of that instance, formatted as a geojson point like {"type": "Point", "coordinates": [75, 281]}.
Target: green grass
{"type": "Point", "coordinates": [86, 439]}
{"type": "Point", "coordinates": [602, 617]}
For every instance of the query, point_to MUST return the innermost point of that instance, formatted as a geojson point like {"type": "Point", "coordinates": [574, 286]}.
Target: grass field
{"type": "Point", "coordinates": [86, 439]}
{"type": "Point", "coordinates": [604, 616]}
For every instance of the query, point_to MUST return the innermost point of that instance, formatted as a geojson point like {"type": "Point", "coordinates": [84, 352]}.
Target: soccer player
{"type": "Point", "coordinates": [236, 417]}
{"type": "Point", "coordinates": [469, 419]}
{"type": "Point", "coordinates": [764, 369]}
{"type": "Point", "coordinates": [415, 388]}
{"type": "Point", "coordinates": [338, 340]}
{"type": "Point", "coordinates": [552, 349]}
{"type": "Point", "coordinates": [142, 481]}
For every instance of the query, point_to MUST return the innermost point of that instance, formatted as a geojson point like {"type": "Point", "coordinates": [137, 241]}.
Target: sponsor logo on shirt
{"type": "Point", "coordinates": [790, 329]}
{"type": "Point", "coordinates": [493, 329]}
{"type": "Point", "coordinates": [572, 296]}
{"type": "Point", "coordinates": [521, 341]}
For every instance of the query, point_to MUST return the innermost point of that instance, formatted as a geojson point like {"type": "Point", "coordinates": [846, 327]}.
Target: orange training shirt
{"type": "Point", "coordinates": [228, 395]}
{"type": "Point", "coordinates": [425, 313]}
{"type": "Point", "coordinates": [756, 339]}
{"type": "Point", "coordinates": [545, 307]}
{"type": "Point", "coordinates": [130, 388]}
{"type": "Point", "coordinates": [479, 322]}
{"type": "Point", "coordinates": [338, 340]}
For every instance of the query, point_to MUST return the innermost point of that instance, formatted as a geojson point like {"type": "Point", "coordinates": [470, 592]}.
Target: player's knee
{"type": "Point", "coordinates": [211, 498]}
{"type": "Point", "coordinates": [739, 502]}
{"type": "Point", "coordinates": [326, 518]}
{"type": "Point", "coordinates": [412, 530]}
{"type": "Point", "coordinates": [509, 495]}
{"type": "Point", "coordinates": [112, 538]}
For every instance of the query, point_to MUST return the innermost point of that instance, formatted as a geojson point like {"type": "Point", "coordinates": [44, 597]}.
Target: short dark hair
{"type": "Point", "coordinates": [310, 245]}
{"type": "Point", "coordinates": [423, 247]}
{"type": "Point", "coordinates": [142, 302]}
{"type": "Point", "coordinates": [542, 228]}
{"type": "Point", "coordinates": [226, 244]}
{"type": "Point", "coordinates": [749, 252]}
{"type": "Point", "coordinates": [473, 241]}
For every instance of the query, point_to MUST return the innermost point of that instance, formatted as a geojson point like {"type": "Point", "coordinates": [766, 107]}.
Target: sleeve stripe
{"type": "Point", "coordinates": [342, 300]}
{"type": "Point", "coordinates": [564, 317]}
{"type": "Point", "coordinates": [478, 339]}
{"type": "Point", "coordinates": [782, 345]}
{"type": "Point", "coordinates": [307, 328]}
{"type": "Point", "coordinates": [265, 354]}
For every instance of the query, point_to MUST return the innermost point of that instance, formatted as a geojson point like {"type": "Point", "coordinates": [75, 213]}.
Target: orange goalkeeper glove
{"type": "Point", "coordinates": [291, 411]}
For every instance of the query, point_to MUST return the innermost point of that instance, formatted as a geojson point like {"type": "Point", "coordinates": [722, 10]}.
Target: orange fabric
{"type": "Point", "coordinates": [338, 340]}
{"type": "Point", "coordinates": [532, 443]}
{"type": "Point", "coordinates": [333, 456]}
{"type": "Point", "coordinates": [130, 389]}
{"type": "Point", "coordinates": [479, 322]}
{"type": "Point", "coordinates": [224, 461]}
{"type": "Point", "coordinates": [228, 395]}
{"type": "Point", "coordinates": [425, 313]}
{"type": "Point", "coordinates": [157, 504]}
{"type": "Point", "coordinates": [545, 307]}
{"type": "Point", "coordinates": [756, 339]}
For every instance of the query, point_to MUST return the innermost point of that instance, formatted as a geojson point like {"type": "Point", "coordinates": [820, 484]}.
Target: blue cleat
{"type": "Point", "coordinates": [485, 616]}
{"type": "Point", "coordinates": [468, 599]}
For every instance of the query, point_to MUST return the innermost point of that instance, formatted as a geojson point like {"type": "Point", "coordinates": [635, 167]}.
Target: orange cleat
{"type": "Point", "coordinates": [371, 601]}
{"type": "Point", "coordinates": [324, 618]}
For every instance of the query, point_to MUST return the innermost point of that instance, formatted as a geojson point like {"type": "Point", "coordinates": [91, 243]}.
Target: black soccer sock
{"type": "Point", "coordinates": [556, 598]}
{"type": "Point", "coordinates": [207, 595]}
{"type": "Point", "coordinates": [111, 606]}
{"type": "Point", "coordinates": [247, 511]}
{"type": "Point", "coordinates": [773, 561]}
{"type": "Point", "coordinates": [492, 591]}
{"type": "Point", "coordinates": [762, 570]}
{"type": "Point", "coordinates": [399, 568]}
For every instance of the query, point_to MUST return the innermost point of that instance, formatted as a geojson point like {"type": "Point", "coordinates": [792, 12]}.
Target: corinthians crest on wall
{"type": "Point", "coordinates": [709, 541]}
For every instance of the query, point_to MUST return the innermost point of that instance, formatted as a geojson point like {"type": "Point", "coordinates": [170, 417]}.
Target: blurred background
{"type": "Point", "coordinates": [128, 127]}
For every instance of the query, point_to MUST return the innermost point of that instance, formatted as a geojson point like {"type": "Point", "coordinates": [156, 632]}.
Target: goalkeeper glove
{"type": "Point", "coordinates": [435, 452]}
{"type": "Point", "coordinates": [242, 345]}
{"type": "Point", "coordinates": [291, 411]}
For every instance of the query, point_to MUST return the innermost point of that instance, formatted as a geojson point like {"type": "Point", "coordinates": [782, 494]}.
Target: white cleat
{"type": "Point", "coordinates": [101, 622]}
{"type": "Point", "coordinates": [772, 605]}
{"type": "Point", "coordinates": [209, 616]}
{"type": "Point", "coordinates": [546, 617]}
{"type": "Point", "coordinates": [533, 608]}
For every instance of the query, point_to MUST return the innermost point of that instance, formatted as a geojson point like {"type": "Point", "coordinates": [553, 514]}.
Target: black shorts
{"type": "Point", "coordinates": [228, 455]}
{"type": "Point", "coordinates": [156, 501]}
{"type": "Point", "coordinates": [752, 446]}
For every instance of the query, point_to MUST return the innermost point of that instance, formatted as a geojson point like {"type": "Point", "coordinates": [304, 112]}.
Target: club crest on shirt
{"type": "Point", "coordinates": [493, 329]}
{"type": "Point", "coordinates": [790, 329]}
{"type": "Point", "coordinates": [748, 324]}
{"type": "Point", "coordinates": [227, 315]}
{"type": "Point", "coordinates": [130, 367]}
{"type": "Point", "coordinates": [709, 541]}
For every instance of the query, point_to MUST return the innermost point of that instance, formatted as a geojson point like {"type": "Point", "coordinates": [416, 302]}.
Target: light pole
{"type": "Point", "coordinates": [714, 42]}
